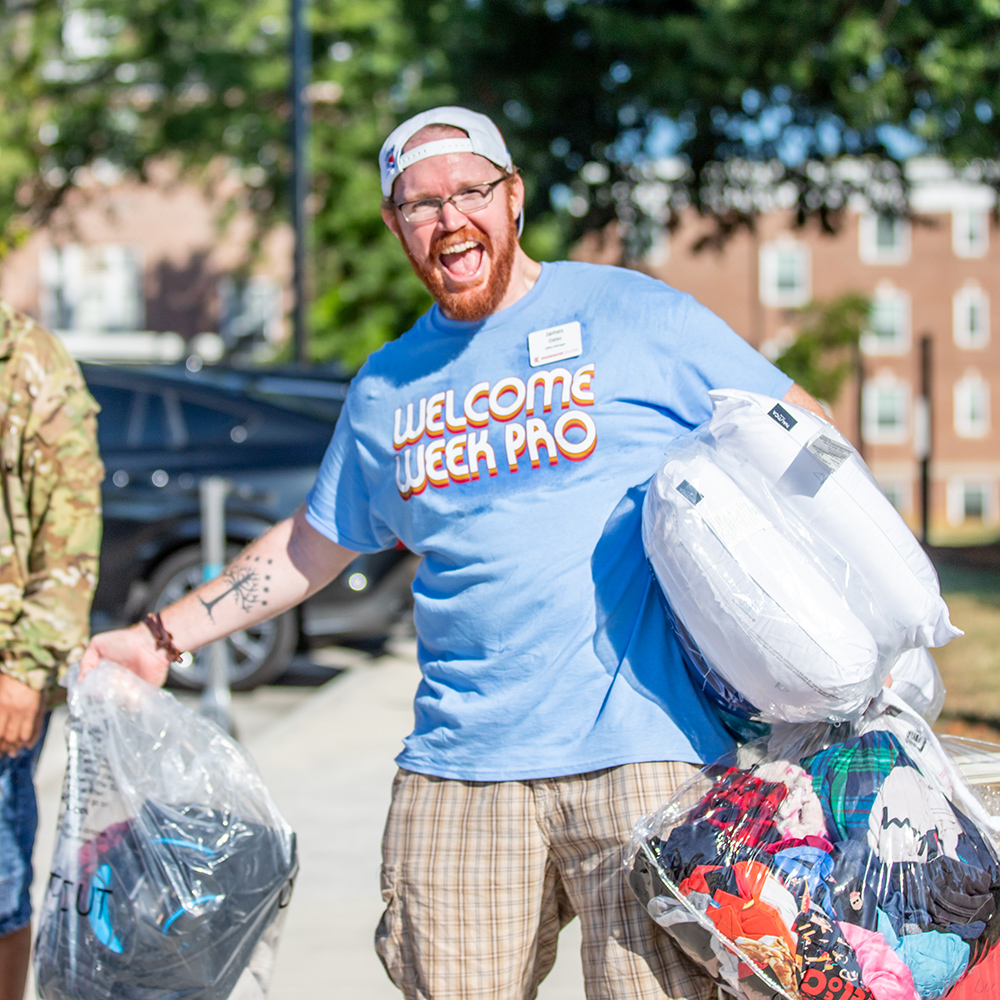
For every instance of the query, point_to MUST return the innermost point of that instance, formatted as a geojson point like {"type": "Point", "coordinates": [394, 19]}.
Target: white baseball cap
{"type": "Point", "coordinates": [483, 138]}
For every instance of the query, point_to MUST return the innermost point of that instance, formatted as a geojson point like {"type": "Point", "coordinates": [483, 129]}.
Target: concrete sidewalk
{"type": "Point", "coordinates": [329, 765]}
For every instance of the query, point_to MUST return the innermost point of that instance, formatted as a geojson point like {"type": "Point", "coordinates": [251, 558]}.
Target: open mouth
{"type": "Point", "coordinates": [462, 260]}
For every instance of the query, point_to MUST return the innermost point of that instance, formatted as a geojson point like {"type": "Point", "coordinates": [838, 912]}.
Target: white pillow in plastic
{"type": "Point", "coordinates": [764, 617]}
{"type": "Point", "coordinates": [917, 680]}
{"type": "Point", "coordinates": [816, 474]}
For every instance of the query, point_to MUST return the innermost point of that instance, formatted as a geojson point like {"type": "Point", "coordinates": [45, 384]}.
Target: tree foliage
{"type": "Point", "coordinates": [747, 96]}
{"type": "Point", "coordinates": [627, 111]}
{"type": "Point", "coordinates": [824, 353]}
{"type": "Point", "coordinates": [121, 83]}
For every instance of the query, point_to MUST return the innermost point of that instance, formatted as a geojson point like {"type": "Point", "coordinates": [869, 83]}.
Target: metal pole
{"type": "Point", "coordinates": [216, 700]}
{"type": "Point", "coordinates": [301, 60]}
{"type": "Point", "coordinates": [859, 377]}
{"type": "Point", "coordinates": [922, 439]}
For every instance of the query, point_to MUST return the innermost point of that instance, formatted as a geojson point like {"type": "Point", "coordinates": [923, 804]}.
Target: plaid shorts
{"type": "Point", "coordinates": [479, 878]}
{"type": "Point", "coordinates": [18, 821]}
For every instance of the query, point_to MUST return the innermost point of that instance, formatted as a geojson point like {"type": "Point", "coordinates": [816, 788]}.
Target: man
{"type": "Point", "coordinates": [506, 438]}
{"type": "Point", "coordinates": [50, 533]}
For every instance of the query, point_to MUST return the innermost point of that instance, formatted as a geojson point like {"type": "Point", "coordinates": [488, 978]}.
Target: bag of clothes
{"type": "Point", "coordinates": [172, 867]}
{"type": "Point", "coordinates": [794, 585]}
{"type": "Point", "coordinates": [842, 862]}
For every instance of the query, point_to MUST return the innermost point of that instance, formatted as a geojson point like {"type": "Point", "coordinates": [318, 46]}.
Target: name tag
{"type": "Point", "coordinates": [555, 344]}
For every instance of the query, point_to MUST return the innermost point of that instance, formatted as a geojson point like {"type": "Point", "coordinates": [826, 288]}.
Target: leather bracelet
{"type": "Point", "coordinates": [164, 640]}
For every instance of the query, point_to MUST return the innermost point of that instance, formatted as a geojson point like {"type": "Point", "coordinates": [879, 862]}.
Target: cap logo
{"type": "Point", "coordinates": [390, 158]}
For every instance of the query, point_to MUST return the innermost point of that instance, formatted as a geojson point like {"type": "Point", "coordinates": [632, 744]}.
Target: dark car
{"type": "Point", "coordinates": [316, 390]}
{"type": "Point", "coordinates": [160, 435]}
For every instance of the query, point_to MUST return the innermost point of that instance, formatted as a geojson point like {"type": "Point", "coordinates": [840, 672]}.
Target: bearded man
{"type": "Point", "coordinates": [507, 438]}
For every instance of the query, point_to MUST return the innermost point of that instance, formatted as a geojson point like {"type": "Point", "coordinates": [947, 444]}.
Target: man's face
{"type": "Point", "coordinates": [464, 260]}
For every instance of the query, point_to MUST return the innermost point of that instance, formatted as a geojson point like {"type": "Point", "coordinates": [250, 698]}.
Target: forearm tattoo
{"type": "Point", "coordinates": [249, 584]}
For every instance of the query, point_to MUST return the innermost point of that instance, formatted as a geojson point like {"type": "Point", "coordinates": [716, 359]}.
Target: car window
{"type": "Point", "coordinates": [210, 425]}
{"type": "Point", "coordinates": [112, 421]}
{"type": "Point", "coordinates": [148, 426]}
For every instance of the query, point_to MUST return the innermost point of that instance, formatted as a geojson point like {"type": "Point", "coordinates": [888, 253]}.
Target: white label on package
{"type": "Point", "coordinates": [736, 522]}
{"type": "Point", "coordinates": [557, 343]}
{"type": "Point", "coordinates": [831, 453]}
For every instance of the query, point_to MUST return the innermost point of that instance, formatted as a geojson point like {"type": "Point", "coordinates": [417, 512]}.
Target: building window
{"type": "Point", "coordinates": [884, 239]}
{"type": "Point", "coordinates": [657, 254]}
{"type": "Point", "coordinates": [889, 322]}
{"type": "Point", "coordinates": [250, 310]}
{"type": "Point", "coordinates": [972, 406]}
{"type": "Point", "coordinates": [92, 288]}
{"type": "Point", "coordinates": [972, 500]}
{"type": "Point", "coordinates": [971, 317]}
{"type": "Point", "coordinates": [970, 232]}
{"type": "Point", "coordinates": [785, 278]}
{"type": "Point", "coordinates": [885, 408]}
{"type": "Point", "coordinates": [898, 494]}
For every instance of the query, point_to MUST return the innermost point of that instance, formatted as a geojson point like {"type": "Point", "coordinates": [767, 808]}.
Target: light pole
{"type": "Point", "coordinates": [216, 701]}
{"type": "Point", "coordinates": [922, 441]}
{"type": "Point", "coordinates": [301, 60]}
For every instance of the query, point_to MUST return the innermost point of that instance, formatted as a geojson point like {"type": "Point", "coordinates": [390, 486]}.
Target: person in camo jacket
{"type": "Point", "coordinates": [50, 533]}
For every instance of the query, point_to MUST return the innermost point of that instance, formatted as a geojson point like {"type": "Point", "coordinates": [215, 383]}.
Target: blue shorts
{"type": "Point", "coordinates": [18, 820]}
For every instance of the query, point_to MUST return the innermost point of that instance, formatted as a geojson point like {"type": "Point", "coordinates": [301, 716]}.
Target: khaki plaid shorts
{"type": "Point", "coordinates": [479, 878]}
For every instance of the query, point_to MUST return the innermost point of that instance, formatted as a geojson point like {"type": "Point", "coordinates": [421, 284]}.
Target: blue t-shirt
{"type": "Point", "coordinates": [542, 639]}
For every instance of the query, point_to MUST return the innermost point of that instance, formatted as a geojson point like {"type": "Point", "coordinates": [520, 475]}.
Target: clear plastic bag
{"type": "Point", "coordinates": [172, 867]}
{"type": "Point", "coordinates": [843, 862]}
{"type": "Point", "coordinates": [917, 680]}
{"type": "Point", "coordinates": [794, 584]}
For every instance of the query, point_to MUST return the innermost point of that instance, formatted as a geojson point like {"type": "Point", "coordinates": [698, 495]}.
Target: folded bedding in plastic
{"type": "Point", "coordinates": [172, 867]}
{"type": "Point", "coordinates": [794, 584]}
{"type": "Point", "coordinates": [838, 862]}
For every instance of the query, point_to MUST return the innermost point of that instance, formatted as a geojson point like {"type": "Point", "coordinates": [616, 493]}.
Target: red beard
{"type": "Point", "coordinates": [479, 301]}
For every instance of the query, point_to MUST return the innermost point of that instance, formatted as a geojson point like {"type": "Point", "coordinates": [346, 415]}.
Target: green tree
{"type": "Point", "coordinates": [824, 353]}
{"type": "Point", "coordinates": [627, 111]}
{"type": "Point", "coordinates": [206, 84]}
{"type": "Point", "coordinates": [747, 95]}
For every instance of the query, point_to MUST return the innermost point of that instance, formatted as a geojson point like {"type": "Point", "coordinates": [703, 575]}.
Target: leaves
{"type": "Point", "coordinates": [206, 86]}
{"type": "Point", "coordinates": [824, 354]}
{"type": "Point", "coordinates": [627, 112]}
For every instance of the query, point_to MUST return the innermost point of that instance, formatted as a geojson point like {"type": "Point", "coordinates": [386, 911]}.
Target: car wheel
{"type": "Point", "coordinates": [257, 655]}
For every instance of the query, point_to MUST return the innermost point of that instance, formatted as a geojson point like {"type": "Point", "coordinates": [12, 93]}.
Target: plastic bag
{"type": "Point", "coordinates": [172, 866]}
{"type": "Point", "coordinates": [820, 477]}
{"type": "Point", "coordinates": [839, 862]}
{"type": "Point", "coordinates": [783, 563]}
{"type": "Point", "coordinates": [917, 680]}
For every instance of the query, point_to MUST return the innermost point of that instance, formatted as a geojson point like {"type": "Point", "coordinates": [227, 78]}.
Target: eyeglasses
{"type": "Point", "coordinates": [472, 199]}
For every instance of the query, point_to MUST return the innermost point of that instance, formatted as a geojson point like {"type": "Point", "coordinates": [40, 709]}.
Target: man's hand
{"type": "Point", "coordinates": [21, 712]}
{"type": "Point", "coordinates": [133, 648]}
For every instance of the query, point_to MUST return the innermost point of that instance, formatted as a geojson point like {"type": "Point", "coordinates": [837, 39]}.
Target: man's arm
{"type": "Point", "coordinates": [49, 574]}
{"type": "Point", "coordinates": [287, 564]}
{"type": "Point", "coordinates": [800, 397]}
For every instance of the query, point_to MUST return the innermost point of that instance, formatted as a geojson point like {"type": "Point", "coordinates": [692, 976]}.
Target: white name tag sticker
{"type": "Point", "coordinates": [557, 343]}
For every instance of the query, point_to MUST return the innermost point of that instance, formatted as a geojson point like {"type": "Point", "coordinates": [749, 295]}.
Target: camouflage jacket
{"type": "Point", "coordinates": [50, 520]}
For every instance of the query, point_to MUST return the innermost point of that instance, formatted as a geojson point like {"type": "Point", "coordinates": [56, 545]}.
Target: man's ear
{"type": "Point", "coordinates": [517, 194]}
{"type": "Point", "coordinates": [390, 219]}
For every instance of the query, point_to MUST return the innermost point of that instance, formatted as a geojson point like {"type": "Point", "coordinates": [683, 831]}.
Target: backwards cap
{"type": "Point", "coordinates": [484, 139]}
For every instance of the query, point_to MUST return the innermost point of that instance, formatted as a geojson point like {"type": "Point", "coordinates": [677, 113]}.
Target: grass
{"type": "Point", "coordinates": [970, 665]}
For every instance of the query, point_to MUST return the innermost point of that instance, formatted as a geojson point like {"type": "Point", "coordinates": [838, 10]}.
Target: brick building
{"type": "Point", "coordinates": [138, 272]}
{"type": "Point", "coordinates": [127, 271]}
{"type": "Point", "coordinates": [931, 280]}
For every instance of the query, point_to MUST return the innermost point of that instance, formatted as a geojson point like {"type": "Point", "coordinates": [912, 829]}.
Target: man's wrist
{"type": "Point", "coordinates": [162, 638]}
{"type": "Point", "coordinates": [16, 667]}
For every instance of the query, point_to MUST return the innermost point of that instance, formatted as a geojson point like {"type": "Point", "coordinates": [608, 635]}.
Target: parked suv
{"type": "Point", "coordinates": [160, 435]}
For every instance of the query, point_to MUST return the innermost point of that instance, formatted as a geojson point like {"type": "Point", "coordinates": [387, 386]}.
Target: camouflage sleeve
{"type": "Point", "coordinates": [57, 526]}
